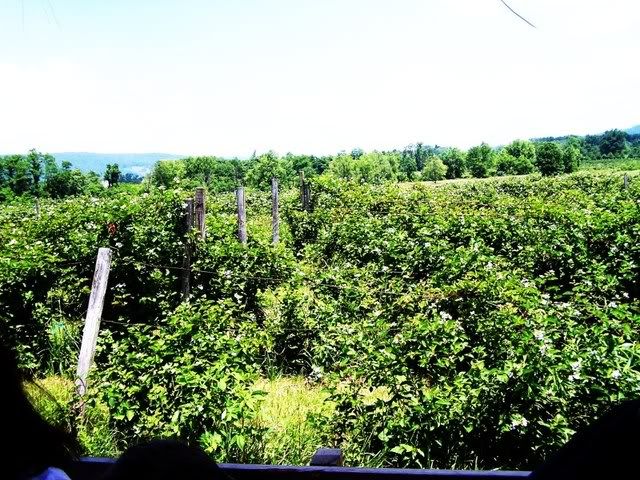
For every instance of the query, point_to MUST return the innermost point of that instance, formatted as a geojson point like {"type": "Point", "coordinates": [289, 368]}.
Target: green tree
{"type": "Point", "coordinates": [372, 167]}
{"type": "Point", "coordinates": [267, 166]}
{"type": "Point", "coordinates": [16, 174]}
{"type": "Point", "coordinates": [407, 165]}
{"type": "Point", "coordinates": [66, 182]}
{"type": "Point", "coordinates": [456, 162]}
{"type": "Point", "coordinates": [434, 169]}
{"type": "Point", "coordinates": [517, 158]}
{"type": "Point", "coordinates": [40, 165]}
{"type": "Point", "coordinates": [481, 160]}
{"type": "Point", "coordinates": [549, 158]}
{"type": "Point", "coordinates": [167, 173]}
{"type": "Point", "coordinates": [112, 174]}
{"type": "Point", "coordinates": [613, 143]}
{"type": "Point", "coordinates": [522, 149]}
{"type": "Point", "coordinates": [571, 158]}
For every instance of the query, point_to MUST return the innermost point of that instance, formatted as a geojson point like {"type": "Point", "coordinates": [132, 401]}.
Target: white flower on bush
{"type": "Point", "coordinates": [445, 316]}
{"type": "Point", "coordinates": [613, 304]}
{"type": "Point", "coordinates": [518, 421]}
{"type": "Point", "coordinates": [489, 265]}
{"type": "Point", "coordinates": [538, 334]}
{"type": "Point", "coordinates": [575, 366]}
{"type": "Point", "coordinates": [616, 374]}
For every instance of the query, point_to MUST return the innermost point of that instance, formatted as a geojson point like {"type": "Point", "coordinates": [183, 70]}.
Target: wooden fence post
{"type": "Point", "coordinates": [92, 321]}
{"type": "Point", "coordinates": [186, 261]}
{"type": "Point", "coordinates": [275, 215]}
{"type": "Point", "coordinates": [307, 196]}
{"type": "Point", "coordinates": [38, 207]}
{"type": "Point", "coordinates": [305, 192]}
{"type": "Point", "coordinates": [625, 181]}
{"type": "Point", "coordinates": [242, 215]}
{"type": "Point", "coordinates": [201, 211]}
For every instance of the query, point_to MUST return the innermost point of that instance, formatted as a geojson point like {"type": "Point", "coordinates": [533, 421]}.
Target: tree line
{"type": "Point", "coordinates": [38, 174]}
{"type": "Point", "coordinates": [610, 144]}
{"type": "Point", "coordinates": [413, 163]}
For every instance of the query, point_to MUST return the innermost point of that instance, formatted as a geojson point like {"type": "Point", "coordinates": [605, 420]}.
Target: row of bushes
{"type": "Point", "coordinates": [465, 325]}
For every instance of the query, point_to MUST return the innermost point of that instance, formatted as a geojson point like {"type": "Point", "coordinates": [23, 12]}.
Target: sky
{"type": "Point", "coordinates": [230, 77]}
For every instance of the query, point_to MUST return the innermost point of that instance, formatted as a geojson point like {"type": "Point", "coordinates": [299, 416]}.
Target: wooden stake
{"type": "Point", "coordinates": [275, 215]}
{"type": "Point", "coordinates": [242, 215]}
{"type": "Point", "coordinates": [307, 196]}
{"type": "Point", "coordinates": [186, 260]}
{"type": "Point", "coordinates": [201, 211]}
{"type": "Point", "coordinates": [38, 207]}
{"type": "Point", "coordinates": [92, 321]}
{"type": "Point", "coordinates": [302, 189]}
{"type": "Point", "coordinates": [626, 181]}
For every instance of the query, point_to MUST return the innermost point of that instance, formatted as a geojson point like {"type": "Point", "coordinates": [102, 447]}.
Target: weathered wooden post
{"type": "Point", "coordinates": [302, 190]}
{"type": "Point", "coordinates": [187, 220]}
{"type": "Point", "coordinates": [275, 215]}
{"type": "Point", "coordinates": [201, 211]}
{"type": "Point", "coordinates": [307, 196]}
{"type": "Point", "coordinates": [38, 207]}
{"type": "Point", "coordinates": [305, 192]}
{"type": "Point", "coordinates": [242, 215]}
{"type": "Point", "coordinates": [625, 181]}
{"type": "Point", "coordinates": [92, 320]}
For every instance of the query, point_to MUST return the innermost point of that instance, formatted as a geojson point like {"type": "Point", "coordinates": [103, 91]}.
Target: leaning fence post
{"type": "Point", "coordinates": [92, 320]}
{"type": "Point", "coordinates": [201, 211]}
{"type": "Point", "coordinates": [186, 260]}
{"type": "Point", "coordinates": [242, 215]}
{"type": "Point", "coordinates": [275, 215]}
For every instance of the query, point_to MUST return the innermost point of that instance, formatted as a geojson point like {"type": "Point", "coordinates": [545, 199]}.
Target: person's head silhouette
{"type": "Point", "coordinates": [29, 444]}
{"type": "Point", "coordinates": [608, 448]}
{"type": "Point", "coordinates": [165, 459]}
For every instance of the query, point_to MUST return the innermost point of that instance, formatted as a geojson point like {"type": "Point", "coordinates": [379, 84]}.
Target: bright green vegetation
{"type": "Point", "coordinates": [53, 397]}
{"type": "Point", "coordinates": [472, 324]}
{"type": "Point", "coordinates": [38, 175]}
{"type": "Point", "coordinates": [294, 411]}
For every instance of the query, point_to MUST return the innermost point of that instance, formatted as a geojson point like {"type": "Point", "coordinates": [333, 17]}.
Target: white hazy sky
{"type": "Point", "coordinates": [228, 77]}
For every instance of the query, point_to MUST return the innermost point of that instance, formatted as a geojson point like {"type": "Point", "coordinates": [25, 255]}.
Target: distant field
{"type": "Point", "coordinates": [611, 164]}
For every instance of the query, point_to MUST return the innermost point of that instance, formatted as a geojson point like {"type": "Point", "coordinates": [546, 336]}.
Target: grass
{"type": "Point", "coordinates": [53, 398]}
{"type": "Point", "coordinates": [292, 411]}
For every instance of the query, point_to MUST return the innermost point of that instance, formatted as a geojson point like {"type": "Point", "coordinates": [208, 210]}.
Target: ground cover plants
{"type": "Point", "coordinates": [472, 324]}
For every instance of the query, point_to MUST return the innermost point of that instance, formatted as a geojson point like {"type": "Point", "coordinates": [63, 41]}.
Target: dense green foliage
{"type": "Point", "coordinates": [610, 144]}
{"type": "Point", "coordinates": [463, 324]}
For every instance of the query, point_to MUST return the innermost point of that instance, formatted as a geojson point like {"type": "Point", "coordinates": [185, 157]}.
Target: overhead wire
{"type": "Point", "coordinates": [517, 14]}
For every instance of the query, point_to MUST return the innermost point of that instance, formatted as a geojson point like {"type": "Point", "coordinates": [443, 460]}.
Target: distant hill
{"type": "Point", "coordinates": [633, 130]}
{"type": "Point", "coordinates": [138, 163]}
